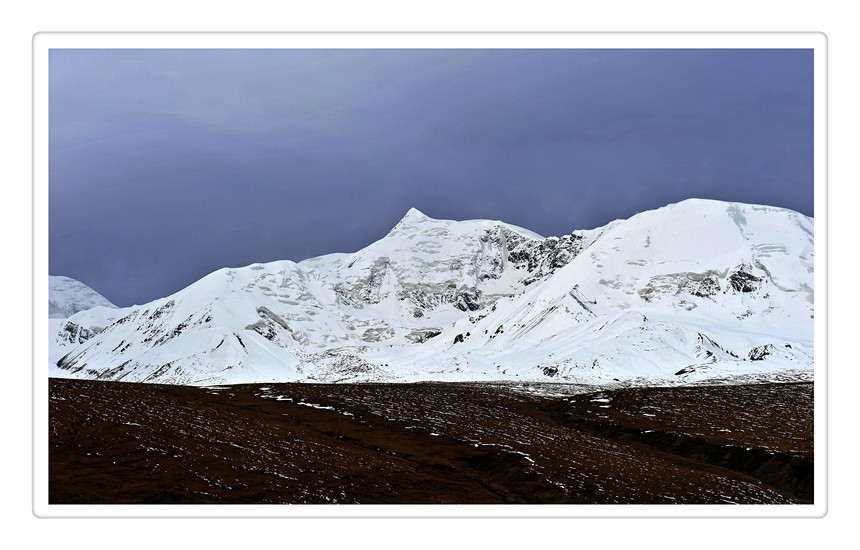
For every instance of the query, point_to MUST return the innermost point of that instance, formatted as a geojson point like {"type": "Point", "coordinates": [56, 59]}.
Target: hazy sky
{"type": "Point", "coordinates": [166, 165]}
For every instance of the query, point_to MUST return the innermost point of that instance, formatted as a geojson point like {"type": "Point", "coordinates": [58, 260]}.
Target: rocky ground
{"type": "Point", "coordinates": [114, 442]}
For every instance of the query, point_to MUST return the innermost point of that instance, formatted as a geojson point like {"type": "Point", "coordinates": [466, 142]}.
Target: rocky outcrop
{"type": "Point", "coordinates": [758, 353]}
{"type": "Point", "coordinates": [741, 280]}
{"type": "Point", "coordinates": [542, 258]}
{"type": "Point", "coordinates": [709, 286]}
{"type": "Point", "coordinates": [73, 333]}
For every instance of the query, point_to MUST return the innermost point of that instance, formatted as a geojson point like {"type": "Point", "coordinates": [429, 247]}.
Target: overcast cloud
{"type": "Point", "coordinates": [166, 165]}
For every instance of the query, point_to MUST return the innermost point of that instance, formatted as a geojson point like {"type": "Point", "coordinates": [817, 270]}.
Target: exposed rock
{"type": "Point", "coordinates": [419, 336]}
{"type": "Point", "coordinates": [758, 353]}
{"type": "Point", "coordinates": [542, 258]}
{"type": "Point", "coordinates": [161, 310]}
{"type": "Point", "coordinates": [263, 329]}
{"type": "Point", "coordinates": [266, 312]}
{"type": "Point", "coordinates": [675, 284]}
{"type": "Point", "coordinates": [377, 334]}
{"type": "Point", "coordinates": [73, 333]}
{"type": "Point", "coordinates": [743, 281]}
{"type": "Point", "coordinates": [709, 286]}
{"type": "Point", "coordinates": [428, 275]}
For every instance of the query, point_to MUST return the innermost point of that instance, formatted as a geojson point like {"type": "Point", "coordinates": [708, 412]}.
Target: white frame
{"type": "Point", "coordinates": [43, 42]}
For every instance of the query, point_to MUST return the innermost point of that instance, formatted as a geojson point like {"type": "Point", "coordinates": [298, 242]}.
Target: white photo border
{"type": "Point", "coordinates": [43, 42]}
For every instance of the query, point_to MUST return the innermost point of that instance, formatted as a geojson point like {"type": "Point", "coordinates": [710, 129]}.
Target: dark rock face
{"type": "Point", "coordinates": [758, 353]}
{"type": "Point", "coordinates": [468, 300]}
{"type": "Point", "coordinates": [742, 281]}
{"type": "Point", "coordinates": [709, 286]}
{"type": "Point", "coordinates": [263, 329]}
{"type": "Point", "coordinates": [74, 333]}
{"type": "Point", "coordinates": [162, 310]}
{"type": "Point", "coordinates": [426, 299]}
{"type": "Point", "coordinates": [542, 258]}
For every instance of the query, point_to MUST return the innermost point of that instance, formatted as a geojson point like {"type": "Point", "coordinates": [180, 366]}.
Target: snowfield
{"type": "Point", "coordinates": [68, 296]}
{"type": "Point", "coordinates": [693, 291]}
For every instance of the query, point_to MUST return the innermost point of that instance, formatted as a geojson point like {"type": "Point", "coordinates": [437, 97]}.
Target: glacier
{"type": "Point", "coordinates": [694, 291]}
{"type": "Point", "coordinates": [66, 297]}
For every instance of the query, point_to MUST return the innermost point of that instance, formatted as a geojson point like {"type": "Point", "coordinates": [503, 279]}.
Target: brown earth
{"type": "Point", "coordinates": [115, 442]}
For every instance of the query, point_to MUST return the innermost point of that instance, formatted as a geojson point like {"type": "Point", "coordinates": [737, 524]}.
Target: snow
{"type": "Point", "coordinates": [648, 300]}
{"type": "Point", "coordinates": [67, 296]}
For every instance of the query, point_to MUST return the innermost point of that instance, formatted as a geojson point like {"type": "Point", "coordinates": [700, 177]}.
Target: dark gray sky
{"type": "Point", "coordinates": [166, 165]}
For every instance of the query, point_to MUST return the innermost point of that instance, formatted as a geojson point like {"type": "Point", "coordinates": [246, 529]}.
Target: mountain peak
{"type": "Point", "coordinates": [669, 296]}
{"type": "Point", "coordinates": [413, 214]}
{"type": "Point", "coordinates": [68, 296]}
{"type": "Point", "coordinates": [413, 217]}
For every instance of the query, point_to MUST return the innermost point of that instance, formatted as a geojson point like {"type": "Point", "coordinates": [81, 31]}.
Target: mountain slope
{"type": "Point", "coordinates": [695, 290]}
{"type": "Point", "coordinates": [67, 296]}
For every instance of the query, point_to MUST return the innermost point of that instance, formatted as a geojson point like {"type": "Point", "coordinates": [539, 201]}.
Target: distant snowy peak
{"type": "Point", "coordinates": [92, 312]}
{"type": "Point", "coordinates": [67, 296]}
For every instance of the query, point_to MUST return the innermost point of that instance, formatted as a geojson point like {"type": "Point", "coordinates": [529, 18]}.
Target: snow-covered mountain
{"type": "Point", "coordinates": [68, 297]}
{"type": "Point", "coordinates": [695, 290]}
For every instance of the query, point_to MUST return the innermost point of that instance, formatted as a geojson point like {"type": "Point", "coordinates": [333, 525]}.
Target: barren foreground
{"type": "Point", "coordinates": [114, 442]}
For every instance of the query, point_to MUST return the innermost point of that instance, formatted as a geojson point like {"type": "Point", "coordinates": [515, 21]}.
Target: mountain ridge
{"type": "Point", "coordinates": [699, 286]}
